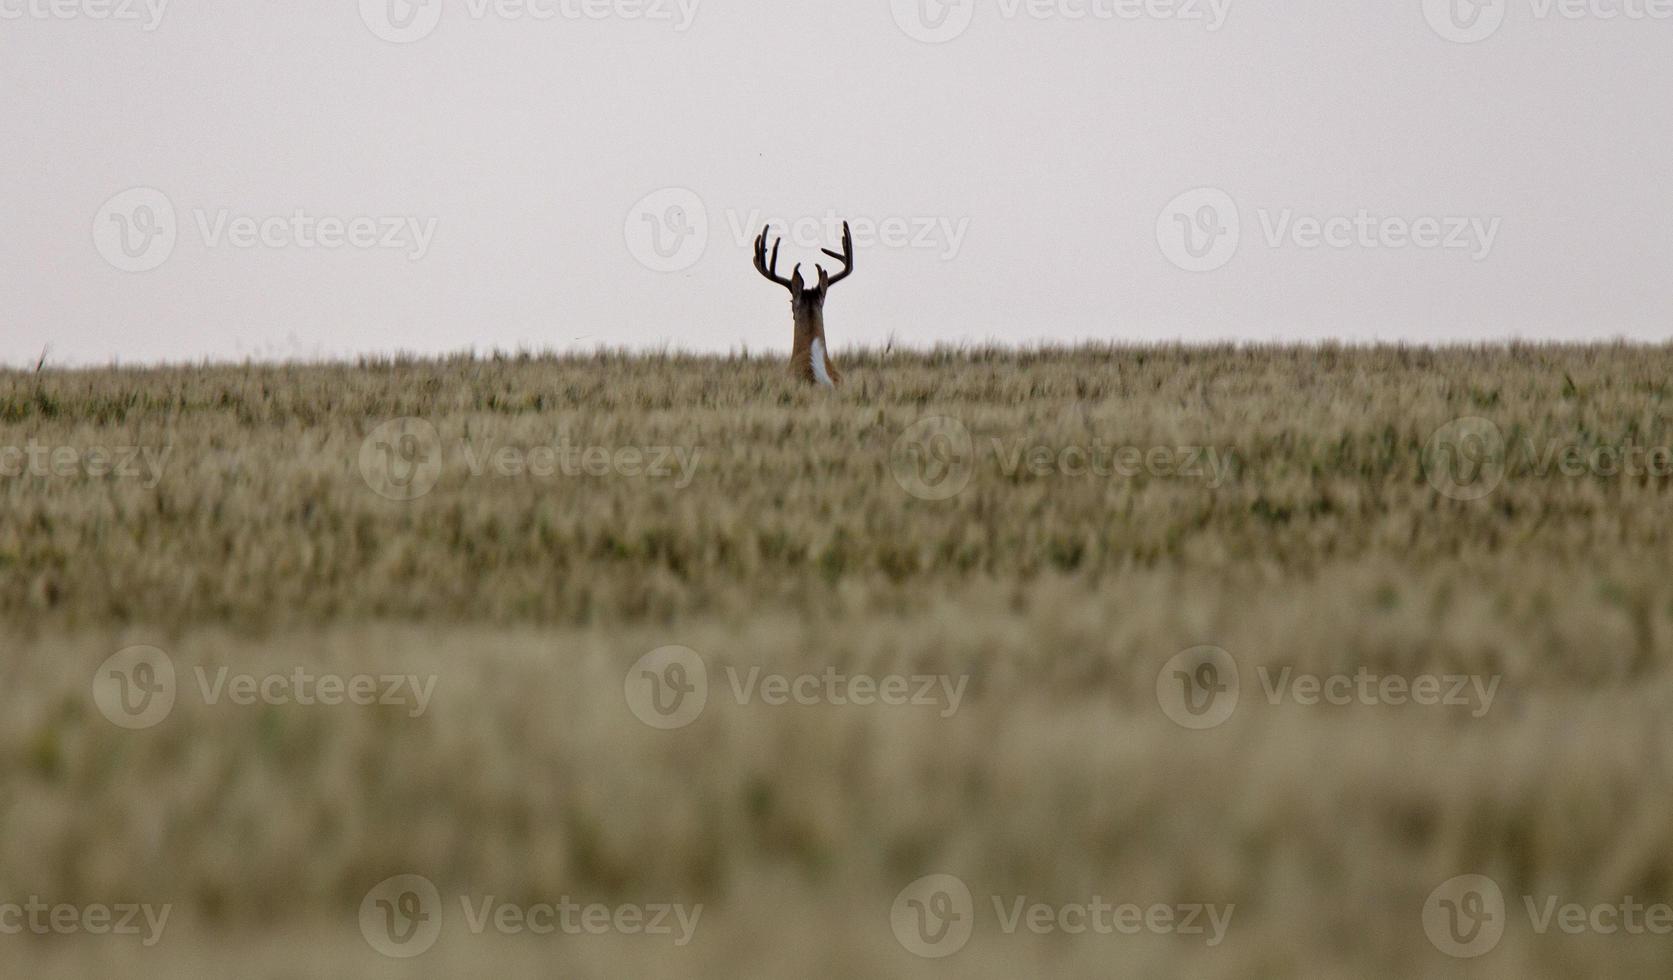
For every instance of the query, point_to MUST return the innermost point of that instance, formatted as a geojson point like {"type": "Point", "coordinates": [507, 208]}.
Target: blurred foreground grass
{"type": "Point", "coordinates": [1038, 533]}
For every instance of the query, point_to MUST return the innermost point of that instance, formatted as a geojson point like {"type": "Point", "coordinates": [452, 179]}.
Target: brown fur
{"type": "Point", "coordinates": [807, 306]}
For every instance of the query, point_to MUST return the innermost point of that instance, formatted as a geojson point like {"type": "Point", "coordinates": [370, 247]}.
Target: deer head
{"type": "Point", "coordinates": [810, 356]}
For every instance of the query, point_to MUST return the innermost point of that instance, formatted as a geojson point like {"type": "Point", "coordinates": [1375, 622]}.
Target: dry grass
{"type": "Point", "coordinates": [791, 547]}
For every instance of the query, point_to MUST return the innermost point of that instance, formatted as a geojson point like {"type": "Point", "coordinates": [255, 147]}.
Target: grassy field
{"type": "Point", "coordinates": [1141, 662]}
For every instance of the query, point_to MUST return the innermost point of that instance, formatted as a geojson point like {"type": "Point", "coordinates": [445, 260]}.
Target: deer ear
{"type": "Point", "coordinates": [824, 278]}
{"type": "Point", "coordinates": [796, 286]}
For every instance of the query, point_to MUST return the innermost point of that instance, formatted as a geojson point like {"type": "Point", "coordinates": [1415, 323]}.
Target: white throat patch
{"type": "Point", "coordinates": [820, 374]}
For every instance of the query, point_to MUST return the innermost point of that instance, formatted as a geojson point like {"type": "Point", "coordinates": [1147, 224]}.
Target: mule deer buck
{"type": "Point", "coordinates": [810, 358]}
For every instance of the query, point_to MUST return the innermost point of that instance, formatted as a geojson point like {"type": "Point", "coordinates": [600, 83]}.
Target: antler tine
{"type": "Point", "coordinates": [846, 257]}
{"type": "Point", "coordinates": [762, 265]}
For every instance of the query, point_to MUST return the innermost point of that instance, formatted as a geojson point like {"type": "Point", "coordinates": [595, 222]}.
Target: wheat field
{"type": "Point", "coordinates": [1103, 661]}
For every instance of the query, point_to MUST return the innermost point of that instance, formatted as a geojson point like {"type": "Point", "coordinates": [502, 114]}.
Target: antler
{"type": "Point", "coordinates": [846, 257]}
{"type": "Point", "coordinates": [770, 269]}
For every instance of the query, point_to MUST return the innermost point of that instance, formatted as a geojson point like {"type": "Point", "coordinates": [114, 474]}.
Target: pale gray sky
{"type": "Point", "coordinates": [544, 171]}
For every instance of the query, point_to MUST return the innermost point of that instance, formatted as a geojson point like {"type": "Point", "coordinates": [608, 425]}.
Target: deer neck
{"type": "Point", "coordinates": [810, 326]}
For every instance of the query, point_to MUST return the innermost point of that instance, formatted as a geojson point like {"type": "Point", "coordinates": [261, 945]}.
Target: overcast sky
{"type": "Point", "coordinates": [192, 179]}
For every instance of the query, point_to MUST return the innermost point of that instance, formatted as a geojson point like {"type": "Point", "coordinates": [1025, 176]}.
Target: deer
{"type": "Point", "coordinates": [810, 359]}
